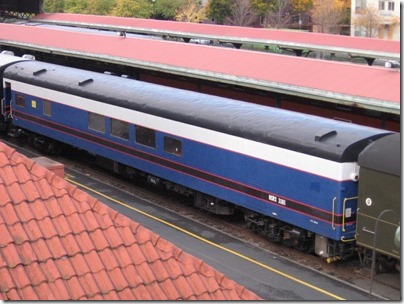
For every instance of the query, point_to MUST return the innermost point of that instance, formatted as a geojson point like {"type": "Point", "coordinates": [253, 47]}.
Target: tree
{"type": "Point", "coordinates": [242, 13]}
{"type": "Point", "coordinates": [219, 10]}
{"type": "Point", "coordinates": [191, 11]}
{"type": "Point", "coordinates": [75, 6]}
{"type": "Point", "coordinates": [370, 20]}
{"type": "Point", "coordinates": [130, 8]}
{"type": "Point", "coordinates": [327, 14]}
{"type": "Point", "coordinates": [280, 16]}
{"type": "Point", "coordinates": [54, 6]}
{"type": "Point", "coordinates": [100, 7]}
{"type": "Point", "coordinates": [167, 9]}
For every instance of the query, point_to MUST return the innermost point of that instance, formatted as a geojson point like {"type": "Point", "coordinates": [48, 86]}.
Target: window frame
{"type": "Point", "coordinates": [145, 136]}
{"type": "Point", "coordinates": [172, 145]}
{"type": "Point", "coordinates": [20, 100]}
{"type": "Point", "coordinates": [95, 125]}
{"type": "Point", "coordinates": [47, 108]}
{"type": "Point", "coordinates": [118, 131]}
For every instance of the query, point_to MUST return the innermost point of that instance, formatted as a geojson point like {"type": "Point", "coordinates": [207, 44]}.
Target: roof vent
{"type": "Point", "coordinates": [84, 82]}
{"type": "Point", "coordinates": [38, 72]}
{"type": "Point", "coordinates": [324, 134]}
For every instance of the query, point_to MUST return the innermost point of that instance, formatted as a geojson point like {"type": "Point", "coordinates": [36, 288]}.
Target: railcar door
{"type": "Point", "coordinates": [5, 103]}
{"type": "Point", "coordinates": [348, 219]}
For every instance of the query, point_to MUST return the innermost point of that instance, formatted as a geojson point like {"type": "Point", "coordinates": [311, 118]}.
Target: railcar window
{"type": "Point", "coordinates": [173, 146]}
{"type": "Point", "coordinates": [96, 122]}
{"type": "Point", "coordinates": [119, 128]}
{"type": "Point", "coordinates": [145, 136]}
{"type": "Point", "coordinates": [47, 108]}
{"type": "Point", "coordinates": [20, 100]}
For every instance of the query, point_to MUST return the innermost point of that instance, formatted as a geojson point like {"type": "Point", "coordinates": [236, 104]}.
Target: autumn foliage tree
{"type": "Point", "coordinates": [242, 13]}
{"type": "Point", "coordinates": [191, 11]}
{"type": "Point", "coordinates": [370, 20]}
{"type": "Point", "coordinates": [327, 15]}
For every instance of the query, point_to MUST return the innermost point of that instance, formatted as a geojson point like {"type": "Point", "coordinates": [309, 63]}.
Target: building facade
{"type": "Point", "coordinates": [382, 18]}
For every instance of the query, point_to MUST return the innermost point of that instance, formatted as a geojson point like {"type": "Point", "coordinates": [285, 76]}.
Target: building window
{"type": "Point", "coordinates": [173, 146]}
{"type": "Point", "coordinates": [381, 5]}
{"type": "Point", "coordinates": [96, 122]}
{"type": "Point", "coordinates": [119, 129]}
{"type": "Point", "coordinates": [20, 100]}
{"type": "Point", "coordinates": [360, 6]}
{"type": "Point", "coordinates": [391, 6]}
{"type": "Point", "coordinates": [47, 108]}
{"type": "Point", "coordinates": [145, 136]}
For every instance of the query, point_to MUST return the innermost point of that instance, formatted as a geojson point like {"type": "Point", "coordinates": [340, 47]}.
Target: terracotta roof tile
{"type": "Point", "coordinates": [63, 268]}
{"type": "Point", "coordinates": [53, 208]}
{"type": "Point", "coordinates": [62, 226]}
{"type": "Point", "coordinates": [84, 241]}
{"type": "Point", "coordinates": [89, 285]}
{"type": "Point", "coordinates": [108, 258]}
{"type": "Point", "coordinates": [6, 238]}
{"type": "Point", "coordinates": [59, 289]}
{"type": "Point", "coordinates": [26, 253]}
{"type": "Point", "coordinates": [51, 271]}
{"type": "Point", "coordinates": [19, 235]}
{"type": "Point", "coordinates": [9, 215]}
{"type": "Point", "coordinates": [20, 277]}
{"type": "Point", "coordinates": [113, 237]}
{"type": "Point", "coordinates": [6, 282]}
{"type": "Point", "coordinates": [56, 248]}
{"type": "Point", "coordinates": [133, 278]}
{"type": "Point", "coordinates": [13, 294]}
{"type": "Point", "coordinates": [11, 256]}
{"type": "Point", "coordinates": [39, 210]}
{"type": "Point", "coordinates": [24, 212]}
{"type": "Point", "coordinates": [75, 288]}
{"type": "Point", "coordinates": [104, 282]}
{"type": "Point", "coordinates": [58, 243]}
{"type": "Point", "coordinates": [43, 292]}
{"type": "Point", "coordinates": [35, 273]}
{"type": "Point", "coordinates": [5, 197]}
{"type": "Point", "coordinates": [119, 280]}
{"type": "Point", "coordinates": [123, 257]}
{"type": "Point", "coordinates": [142, 293]}
{"type": "Point", "coordinates": [76, 223]}
{"type": "Point", "coordinates": [81, 265]}
{"type": "Point", "coordinates": [32, 230]}
{"type": "Point", "coordinates": [28, 292]}
{"type": "Point", "coordinates": [90, 222]}
{"type": "Point", "coordinates": [94, 261]}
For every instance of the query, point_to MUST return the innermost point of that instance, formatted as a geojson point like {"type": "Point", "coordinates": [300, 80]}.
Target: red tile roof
{"type": "Point", "coordinates": [59, 243]}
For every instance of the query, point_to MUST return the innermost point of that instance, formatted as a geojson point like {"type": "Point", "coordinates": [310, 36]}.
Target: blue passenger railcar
{"type": "Point", "coordinates": [295, 176]}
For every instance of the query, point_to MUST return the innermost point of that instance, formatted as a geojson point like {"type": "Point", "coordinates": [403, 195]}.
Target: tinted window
{"type": "Point", "coordinates": [96, 122]}
{"type": "Point", "coordinates": [119, 129]}
{"type": "Point", "coordinates": [173, 146]}
{"type": "Point", "coordinates": [20, 100]}
{"type": "Point", "coordinates": [47, 108]}
{"type": "Point", "coordinates": [145, 136]}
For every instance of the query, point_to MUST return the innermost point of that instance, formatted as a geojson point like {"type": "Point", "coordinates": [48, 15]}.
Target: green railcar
{"type": "Point", "coordinates": [379, 198]}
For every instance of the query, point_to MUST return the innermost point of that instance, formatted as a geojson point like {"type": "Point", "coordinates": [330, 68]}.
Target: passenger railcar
{"type": "Point", "coordinates": [294, 176]}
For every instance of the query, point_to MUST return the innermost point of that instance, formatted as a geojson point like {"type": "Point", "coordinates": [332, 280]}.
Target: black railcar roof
{"type": "Point", "coordinates": [313, 135]}
{"type": "Point", "coordinates": [383, 155]}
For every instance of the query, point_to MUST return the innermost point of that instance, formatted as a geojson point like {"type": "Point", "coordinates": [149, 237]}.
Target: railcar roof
{"type": "Point", "coordinates": [325, 138]}
{"type": "Point", "coordinates": [375, 155]}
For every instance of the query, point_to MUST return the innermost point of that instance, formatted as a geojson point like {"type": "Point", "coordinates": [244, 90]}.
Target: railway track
{"type": "Point", "coordinates": [348, 271]}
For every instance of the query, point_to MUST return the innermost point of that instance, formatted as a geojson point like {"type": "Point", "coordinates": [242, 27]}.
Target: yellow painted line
{"type": "Point", "coordinates": [209, 242]}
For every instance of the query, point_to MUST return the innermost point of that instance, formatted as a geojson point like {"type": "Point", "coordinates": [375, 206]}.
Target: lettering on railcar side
{"type": "Point", "coordinates": [276, 199]}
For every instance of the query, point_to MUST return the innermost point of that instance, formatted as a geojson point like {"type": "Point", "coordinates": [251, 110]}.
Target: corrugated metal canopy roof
{"type": "Point", "coordinates": [363, 46]}
{"type": "Point", "coordinates": [357, 85]}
